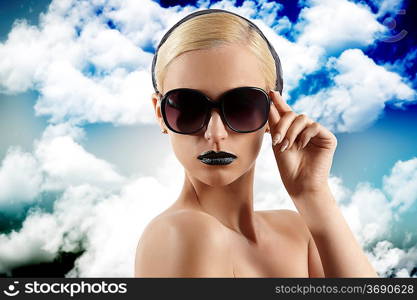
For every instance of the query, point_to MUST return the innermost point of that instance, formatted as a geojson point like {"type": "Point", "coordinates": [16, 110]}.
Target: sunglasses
{"type": "Point", "coordinates": [243, 109]}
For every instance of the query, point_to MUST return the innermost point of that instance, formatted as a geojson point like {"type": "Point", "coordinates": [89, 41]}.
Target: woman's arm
{"type": "Point", "coordinates": [315, 266]}
{"type": "Point", "coordinates": [340, 253]}
{"type": "Point", "coordinates": [304, 152]}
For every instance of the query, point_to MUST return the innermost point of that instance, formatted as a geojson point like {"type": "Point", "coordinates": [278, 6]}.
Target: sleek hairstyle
{"type": "Point", "coordinates": [211, 28]}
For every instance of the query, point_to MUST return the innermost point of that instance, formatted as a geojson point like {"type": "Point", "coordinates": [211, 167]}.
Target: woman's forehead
{"type": "Point", "coordinates": [214, 70]}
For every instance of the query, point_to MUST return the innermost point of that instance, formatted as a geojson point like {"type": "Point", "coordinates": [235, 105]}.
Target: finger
{"type": "Point", "coordinates": [320, 134]}
{"type": "Point", "coordinates": [273, 120]}
{"type": "Point", "coordinates": [283, 125]}
{"type": "Point", "coordinates": [279, 102]}
{"type": "Point", "coordinates": [273, 117]}
{"type": "Point", "coordinates": [308, 133]}
{"type": "Point", "coordinates": [298, 125]}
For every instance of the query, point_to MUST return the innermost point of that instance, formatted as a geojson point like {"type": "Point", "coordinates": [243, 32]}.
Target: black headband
{"type": "Point", "coordinates": [279, 81]}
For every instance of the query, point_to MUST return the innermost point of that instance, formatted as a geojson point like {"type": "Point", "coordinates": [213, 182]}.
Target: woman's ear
{"type": "Point", "coordinates": [157, 107]}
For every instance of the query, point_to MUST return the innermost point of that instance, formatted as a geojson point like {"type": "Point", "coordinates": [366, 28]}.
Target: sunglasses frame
{"type": "Point", "coordinates": [214, 104]}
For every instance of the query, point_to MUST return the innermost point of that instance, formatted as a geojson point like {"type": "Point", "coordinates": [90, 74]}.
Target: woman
{"type": "Point", "coordinates": [216, 97]}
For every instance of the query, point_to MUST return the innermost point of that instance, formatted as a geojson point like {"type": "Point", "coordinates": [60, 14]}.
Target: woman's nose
{"type": "Point", "coordinates": [216, 129]}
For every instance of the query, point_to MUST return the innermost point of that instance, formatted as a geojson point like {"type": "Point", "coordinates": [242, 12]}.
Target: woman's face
{"type": "Point", "coordinates": [213, 72]}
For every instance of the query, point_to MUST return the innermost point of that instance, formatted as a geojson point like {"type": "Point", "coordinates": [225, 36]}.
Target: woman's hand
{"type": "Point", "coordinates": [308, 148]}
{"type": "Point", "coordinates": [305, 174]}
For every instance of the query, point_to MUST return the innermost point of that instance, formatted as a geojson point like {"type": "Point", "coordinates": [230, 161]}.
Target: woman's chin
{"type": "Point", "coordinates": [217, 178]}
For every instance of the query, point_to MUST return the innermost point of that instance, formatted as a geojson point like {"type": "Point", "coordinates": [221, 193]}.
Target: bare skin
{"type": "Point", "coordinates": [212, 230]}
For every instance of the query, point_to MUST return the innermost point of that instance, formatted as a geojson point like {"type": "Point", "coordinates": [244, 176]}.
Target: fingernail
{"type": "Point", "coordinates": [284, 146]}
{"type": "Point", "coordinates": [276, 139]}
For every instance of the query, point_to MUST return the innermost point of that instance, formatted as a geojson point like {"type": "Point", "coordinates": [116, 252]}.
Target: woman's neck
{"type": "Point", "coordinates": [232, 204]}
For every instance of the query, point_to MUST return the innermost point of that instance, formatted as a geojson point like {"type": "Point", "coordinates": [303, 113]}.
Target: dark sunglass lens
{"type": "Point", "coordinates": [185, 110]}
{"type": "Point", "coordinates": [246, 109]}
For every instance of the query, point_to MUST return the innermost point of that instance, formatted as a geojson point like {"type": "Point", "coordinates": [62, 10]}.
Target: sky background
{"type": "Point", "coordinates": [83, 166]}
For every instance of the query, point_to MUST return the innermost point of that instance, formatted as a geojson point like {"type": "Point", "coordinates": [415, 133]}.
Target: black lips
{"type": "Point", "coordinates": [213, 154]}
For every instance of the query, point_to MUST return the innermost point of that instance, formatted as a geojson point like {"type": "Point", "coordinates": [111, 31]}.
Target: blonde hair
{"type": "Point", "coordinates": [209, 31]}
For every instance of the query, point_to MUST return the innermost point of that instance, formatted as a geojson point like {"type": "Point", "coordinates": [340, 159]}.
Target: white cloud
{"type": "Point", "coordinates": [58, 162]}
{"type": "Point", "coordinates": [283, 25]}
{"type": "Point", "coordinates": [63, 129]}
{"type": "Point", "coordinates": [401, 184]}
{"type": "Point", "coordinates": [341, 193]}
{"type": "Point", "coordinates": [371, 212]}
{"type": "Point", "coordinates": [32, 244]}
{"type": "Point", "coordinates": [20, 179]}
{"type": "Point", "coordinates": [389, 260]}
{"type": "Point", "coordinates": [368, 214]}
{"type": "Point", "coordinates": [118, 97]}
{"type": "Point", "coordinates": [59, 62]}
{"type": "Point", "coordinates": [358, 96]}
{"type": "Point", "coordinates": [43, 235]}
{"type": "Point", "coordinates": [402, 64]}
{"type": "Point", "coordinates": [297, 60]}
{"type": "Point", "coordinates": [116, 226]}
{"type": "Point", "coordinates": [107, 225]}
{"type": "Point", "coordinates": [337, 24]}
{"type": "Point", "coordinates": [17, 71]}
{"type": "Point", "coordinates": [269, 191]}
{"type": "Point", "coordinates": [388, 6]}
{"type": "Point", "coordinates": [67, 163]}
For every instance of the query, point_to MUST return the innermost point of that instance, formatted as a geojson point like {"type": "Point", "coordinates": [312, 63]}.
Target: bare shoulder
{"type": "Point", "coordinates": [183, 243]}
{"type": "Point", "coordinates": [287, 221]}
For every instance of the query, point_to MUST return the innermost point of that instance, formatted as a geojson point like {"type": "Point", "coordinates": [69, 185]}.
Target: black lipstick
{"type": "Point", "coordinates": [216, 158]}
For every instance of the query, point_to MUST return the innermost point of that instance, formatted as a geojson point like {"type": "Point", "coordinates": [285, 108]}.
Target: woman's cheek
{"type": "Point", "coordinates": [186, 152]}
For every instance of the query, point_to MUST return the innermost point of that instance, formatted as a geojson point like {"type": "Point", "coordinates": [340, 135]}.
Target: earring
{"type": "Point", "coordinates": [164, 131]}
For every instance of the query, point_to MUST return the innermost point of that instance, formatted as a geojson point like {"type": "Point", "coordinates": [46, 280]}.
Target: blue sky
{"type": "Point", "coordinates": [346, 76]}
